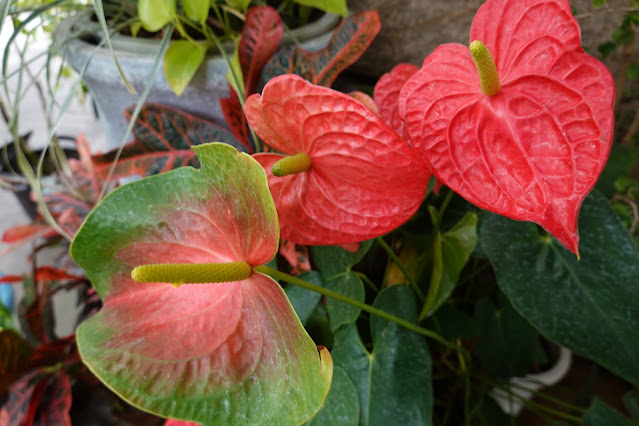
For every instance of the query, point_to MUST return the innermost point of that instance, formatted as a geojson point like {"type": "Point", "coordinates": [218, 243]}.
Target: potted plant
{"type": "Point", "coordinates": [199, 40]}
{"type": "Point", "coordinates": [379, 261]}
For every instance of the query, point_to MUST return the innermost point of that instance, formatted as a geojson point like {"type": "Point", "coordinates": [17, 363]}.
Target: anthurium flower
{"type": "Point", "coordinates": [386, 96]}
{"type": "Point", "coordinates": [228, 351]}
{"type": "Point", "coordinates": [343, 175]}
{"type": "Point", "coordinates": [521, 122]}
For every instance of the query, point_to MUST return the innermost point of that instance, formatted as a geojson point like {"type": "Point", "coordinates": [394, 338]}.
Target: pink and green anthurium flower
{"type": "Point", "coordinates": [199, 335]}
{"type": "Point", "coordinates": [520, 122]}
{"type": "Point", "coordinates": [341, 174]}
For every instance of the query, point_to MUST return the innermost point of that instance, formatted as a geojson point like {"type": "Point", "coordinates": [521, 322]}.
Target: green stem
{"type": "Point", "coordinates": [273, 273]}
{"type": "Point", "coordinates": [367, 280]}
{"type": "Point", "coordinates": [401, 267]}
{"type": "Point", "coordinates": [442, 209]}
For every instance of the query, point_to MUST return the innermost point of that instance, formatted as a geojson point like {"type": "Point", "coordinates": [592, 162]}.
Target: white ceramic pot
{"type": "Point", "coordinates": [137, 57]}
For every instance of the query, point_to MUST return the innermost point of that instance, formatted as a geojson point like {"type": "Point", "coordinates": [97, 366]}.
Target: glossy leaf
{"type": "Point", "coordinates": [181, 61]}
{"type": "Point", "coordinates": [601, 413]}
{"type": "Point", "coordinates": [535, 149]}
{"type": "Point", "coordinates": [155, 14]}
{"type": "Point", "coordinates": [386, 96]}
{"type": "Point", "coordinates": [304, 301]}
{"type": "Point", "coordinates": [394, 380]}
{"type": "Point", "coordinates": [163, 138]}
{"type": "Point", "coordinates": [341, 407]}
{"type": "Point", "coordinates": [364, 180]}
{"type": "Point", "coordinates": [337, 7]}
{"type": "Point", "coordinates": [335, 263]}
{"type": "Point", "coordinates": [196, 10]}
{"type": "Point", "coordinates": [451, 251]}
{"type": "Point", "coordinates": [211, 353]}
{"type": "Point", "coordinates": [590, 306]}
{"type": "Point", "coordinates": [349, 41]}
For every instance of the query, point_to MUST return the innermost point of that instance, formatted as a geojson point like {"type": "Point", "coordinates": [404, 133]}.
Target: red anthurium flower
{"type": "Point", "coordinates": [344, 176]}
{"type": "Point", "coordinates": [226, 346]}
{"type": "Point", "coordinates": [386, 96]}
{"type": "Point", "coordinates": [521, 123]}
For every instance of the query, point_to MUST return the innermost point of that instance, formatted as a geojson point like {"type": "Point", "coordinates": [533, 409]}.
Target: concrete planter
{"type": "Point", "coordinates": [137, 56]}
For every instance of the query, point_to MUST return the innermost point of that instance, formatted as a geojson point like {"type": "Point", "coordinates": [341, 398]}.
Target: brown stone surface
{"type": "Point", "coordinates": [411, 29]}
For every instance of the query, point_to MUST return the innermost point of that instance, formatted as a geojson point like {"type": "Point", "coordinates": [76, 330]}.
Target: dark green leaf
{"type": "Point", "coordinates": [341, 407]}
{"type": "Point", "coordinates": [394, 381]}
{"type": "Point", "coordinates": [347, 284]}
{"type": "Point", "coordinates": [507, 344]}
{"type": "Point", "coordinates": [605, 49]}
{"type": "Point", "coordinates": [590, 305]}
{"type": "Point", "coordinates": [304, 301]}
{"type": "Point", "coordinates": [633, 71]}
{"type": "Point", "coordinates": [620, 162]}
{"type": "Point", "coordinates": [333, 260]}
{"type": "Point", "coordinates": [631, 402]}
{"type": "Point", "coordinates": [601, 414]}
{"type": "Point", "coordinates": [451, 323]}
{"type": "Point", "coordinates": [451, 251]}
{"type": "Point", "coordinates": [598, 3]}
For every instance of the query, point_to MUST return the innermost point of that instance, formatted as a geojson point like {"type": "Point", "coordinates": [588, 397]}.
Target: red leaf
{"type": "Point", "coordinates": [56, 351]}
{"type": "Point", "coordinates": [261, 35]}
{"type": "Point", "coordinates": [14, 360]}
{"type": "Point", "coordinates": [535, 149]}
{"type": "Point", "coordinates": [163, 140]}
{"type": "Point", "coordinates": [386, 96]}
{"type": "Point", "coordinates": [364, 180]}
{"type": "Point", "coordinates": [40, 400]}
{"type": "Point", "coordinates": [24, 232]}
{"type": "Point", "coordinates": [349, 41]}
{"type": "Point", "coordinates": [235, 118]}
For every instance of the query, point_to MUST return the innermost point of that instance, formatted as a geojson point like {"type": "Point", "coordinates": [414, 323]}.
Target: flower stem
{"type": "Point", "coordinates": [486, 68]}
{"type": "Point", "coordinates": [273, 273]}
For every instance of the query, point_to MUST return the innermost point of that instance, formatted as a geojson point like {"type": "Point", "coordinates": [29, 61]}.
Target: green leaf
{"type": "Point", "coordinates": [605, 49]}
{"type": "Point", "coordinates": [394, 380]}
{"type": "Point", "coordinates": [633, 71]}
{"type": "Point", "coordinates": [631, 402]}
{"type": "Point", "coordinates": [341, 407]}
{"type": "Point", "coordinates": [333, 260]}
{"type": "Point", "coordinates": [155, 14]}
{"type": "Point", "coordinates": [598, 3]}
{"type": "Point", "coordinates": [600, 414]}
{"type": "Point", "coordinates": [452, 323]}
{"type": "Point", "coordinates": [304, 301]}
{"type": "Point", "coordinates": [181, 61]}
{"type": "Point", "coordinates": [240, 5]}
{"type": "Point", "coordinates": [337, 7]}
{"type": "Point", "coordinates": [507, 344]}
{"type": "Point", "coordinates": [451, 251]}
{"type": "Point", "coordinates": [620, 162]}
{"type": "Point", "coordinates": [196, 10]}
{"type": "Point", "coordinates": [234, 75]}
{"type": "Point", "coordinates": [335, 263]}
{"type": "Point", "coordinates": [590, 305]}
